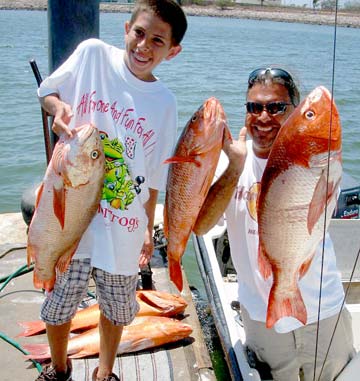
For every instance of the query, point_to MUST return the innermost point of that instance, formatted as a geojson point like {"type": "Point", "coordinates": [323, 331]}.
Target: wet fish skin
{"type": "Point", "coordinates": [191, 172]}
{"type": "Point", "coordinates": [66, 202]}
{"type": "Point", "coordinates": [143, 333]}
{"type": "Point", "coordinates": [293, 198]}
{"type": "Point", "coordinates": [152, 303]}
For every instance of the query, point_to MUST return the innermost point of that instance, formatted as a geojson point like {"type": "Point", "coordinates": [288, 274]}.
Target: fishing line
{"type": "Point", "coordinates": [325, 212]}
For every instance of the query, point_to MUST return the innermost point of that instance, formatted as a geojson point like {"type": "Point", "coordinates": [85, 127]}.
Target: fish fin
{"type": "Point", "coordinates": [305, 267]}
{"type": "Point", "coordinates": [37, 351]}
{"type": "Point", "coordinates": [30, 254]}
{"type": "Point", "coordinates": [264, 264]}
{"type": "Point", "coordinates": [166, 224]}
{"type": "Point", "coordinates": [47, 285]}
{"type": "Point", "coordinates": [183, 159]}
{"type": "Point", "coordinates": [59, 204]}
{"type": "Point", "coordinates": [283, 304]}
{"type": "Point", "coordinates": [317, 203]}
{"type": "Point", "coordinates": [31, 328]}
{"type": "Point", "coordinates": [64, 261]}
{"type": "Point", "coordinates": [39, 192]}
{"type": "Point", "coordinates": [175, 273]}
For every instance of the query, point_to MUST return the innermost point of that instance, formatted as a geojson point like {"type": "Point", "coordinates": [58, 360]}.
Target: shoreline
{"type": "Point", "coordinates": [349, 19]}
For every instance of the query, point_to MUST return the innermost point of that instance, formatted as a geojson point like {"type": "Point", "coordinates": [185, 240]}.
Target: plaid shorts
{"type": "Point", "coordinates": [116, 294]}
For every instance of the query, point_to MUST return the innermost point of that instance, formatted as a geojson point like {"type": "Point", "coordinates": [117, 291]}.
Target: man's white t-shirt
{"type": "Point", "coordinates": [137, 121]}
{"type": "Point", "coordinates": [242, 229]}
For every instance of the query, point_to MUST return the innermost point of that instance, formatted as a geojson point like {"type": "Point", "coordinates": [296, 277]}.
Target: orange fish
{"type": "Point", "coordinates": [190, 176]}
{"type": "Point", "coordinates": [295, 194]}
{"type": "Point", "coordinates": [67, 200]}
{"type": "Point", "coordinates": [143, 333]}
{"type": "Point", "coordinates": [152, 303]}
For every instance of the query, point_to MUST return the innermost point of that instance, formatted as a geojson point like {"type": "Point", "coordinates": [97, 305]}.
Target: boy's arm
{"type": "Point", "coordinates": [61, 111]}
{"type": "Point", "coordinates": [148, 246]}
{"type": "Point", "coordinates": [222, 190]}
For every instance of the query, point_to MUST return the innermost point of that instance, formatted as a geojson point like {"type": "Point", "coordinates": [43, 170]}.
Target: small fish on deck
{"type": "Point", "coordinates": [191, 172]}
{"type": "Point", "coordinates": [152, 303]}
{"type": "Point", "coordinates": [299, 185]}
{"type": "Point", "coordinates": [143, 333]}
{"type": "Point", "coordinates": [67, 200]}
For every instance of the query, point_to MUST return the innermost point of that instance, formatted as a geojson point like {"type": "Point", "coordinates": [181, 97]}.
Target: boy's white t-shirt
{"type": "Point", "coordinates": [137, 121]}
{"type": "Point", "coordinates": [242, 229]}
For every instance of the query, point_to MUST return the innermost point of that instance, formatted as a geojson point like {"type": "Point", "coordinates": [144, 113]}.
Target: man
{"type": "Point", "coordinates": [288, 347]}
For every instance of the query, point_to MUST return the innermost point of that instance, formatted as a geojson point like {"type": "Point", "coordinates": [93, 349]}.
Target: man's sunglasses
{"type": "Point", "coordinates": [272, 108]}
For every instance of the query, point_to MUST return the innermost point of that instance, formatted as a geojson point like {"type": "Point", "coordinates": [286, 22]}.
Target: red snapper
{"type": "Point", "coordinates": [299, 185]}
{"type": "Point", "coordinates": [67, 200]}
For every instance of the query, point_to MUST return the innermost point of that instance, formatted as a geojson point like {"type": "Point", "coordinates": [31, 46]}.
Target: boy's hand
{"type": "Point", "coordinates": [62, 117]}
{"type": "Point", "coordinates": [61, 111]}
{"type": "Point", "coordinates": [147, 250]}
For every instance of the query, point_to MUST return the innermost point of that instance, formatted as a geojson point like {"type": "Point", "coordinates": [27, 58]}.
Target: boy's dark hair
{"type": "Point", "coordinates": [169, 11]}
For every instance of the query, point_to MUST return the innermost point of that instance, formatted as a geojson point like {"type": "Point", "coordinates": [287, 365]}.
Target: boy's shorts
{"type": "Point", "coordinates": [116, 294]}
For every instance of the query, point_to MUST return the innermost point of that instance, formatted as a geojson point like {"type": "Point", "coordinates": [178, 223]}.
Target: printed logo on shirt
{"type": "Point", "coordinates": [122, 116]}
{"type": "Point", "coordinates": [250, 197]}
{"type": "Point", "coordinates": [119, 189]}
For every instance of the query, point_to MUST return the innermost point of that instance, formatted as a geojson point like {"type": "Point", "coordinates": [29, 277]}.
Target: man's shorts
{"type": "Point", "coordinates": [116, 294]}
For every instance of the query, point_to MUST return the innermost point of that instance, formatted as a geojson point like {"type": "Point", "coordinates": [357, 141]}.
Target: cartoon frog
{"type": "Point", "coordinates": [119, 189]}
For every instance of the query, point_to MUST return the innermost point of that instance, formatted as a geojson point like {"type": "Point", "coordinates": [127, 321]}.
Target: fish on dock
{"type": "Point", "coordinates": [152, 303]}
{"type": "Point", "coordinates": [143, 333]}
{"type": "Point", "coordinates": [299, 189]}
{"type": "Point", "coordinates": [66, 202]}
{"type": "Point", "coordinates": [191, 171]}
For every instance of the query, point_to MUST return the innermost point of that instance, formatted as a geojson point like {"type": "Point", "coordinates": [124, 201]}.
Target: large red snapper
{"type": "Point", "coordinates": [152, 303]}
{"type": "Point", "coordinates": [296, 192]}
{"type": "Point", "coordinates": [143, 333]}
{"type": "Point", "coordinates": [190, 176]}
{"type": "Point", "coordinates": [66, 202]}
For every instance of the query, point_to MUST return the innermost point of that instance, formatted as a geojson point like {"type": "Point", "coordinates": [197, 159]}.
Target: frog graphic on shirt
{"type": "Point", "coordinates": [119, 188]}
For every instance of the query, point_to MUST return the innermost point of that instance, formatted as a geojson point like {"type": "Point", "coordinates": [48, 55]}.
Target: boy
{"type": "Point", "coordinates": [136, 115]}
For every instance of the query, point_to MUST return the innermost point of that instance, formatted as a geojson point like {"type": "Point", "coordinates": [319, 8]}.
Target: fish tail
{"type": "Point", "coordinates": [37, 351]}
{"type": "Point", "coordinates": [31, 328]}
{"type": "Point", "coordinates": [175, 273]}
{"type": "Point", "coordinates": [47, 285]}
{"type": "Point", "coordinates": [285, 304]}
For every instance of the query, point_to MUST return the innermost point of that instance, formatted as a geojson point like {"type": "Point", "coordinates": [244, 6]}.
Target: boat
{"type": "Point", "coordinates": [212, 252]}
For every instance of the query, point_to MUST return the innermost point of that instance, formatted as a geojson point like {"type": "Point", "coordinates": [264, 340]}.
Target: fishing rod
{"type": "Point", "coordinates": [325, 219]}
{"type": "Point", "coordinates": [44, 114]}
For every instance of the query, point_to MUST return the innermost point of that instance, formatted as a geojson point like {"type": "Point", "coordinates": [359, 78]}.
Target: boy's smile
{"type": "Point", "coordinates": [148, 41]}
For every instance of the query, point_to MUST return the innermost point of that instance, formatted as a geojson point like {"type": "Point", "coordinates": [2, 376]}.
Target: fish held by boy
{"type": "Point", "coordinates": [152, 303]}
{"type": "Point", "coordinates": [191, 172]}
{"type": "Point", "coordinates": [299, 185]}
{"type": "Point", "coordinates": [67, 200]}
{"type": "Point", "coordinates": [143, 333]}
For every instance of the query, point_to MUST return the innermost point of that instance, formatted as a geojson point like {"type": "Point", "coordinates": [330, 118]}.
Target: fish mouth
{"type": "Point", "coordinates": [213, 109]}
{"type": "Point", "coordinates": [85, 132]}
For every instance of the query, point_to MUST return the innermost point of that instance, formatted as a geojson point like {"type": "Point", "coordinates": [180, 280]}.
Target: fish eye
{"type": "Point", "coordinates": [310, 115]}
{"type": "Point", "coordinates": [194, 118]}
{"type": "Point", "coordinates": [94, 154]}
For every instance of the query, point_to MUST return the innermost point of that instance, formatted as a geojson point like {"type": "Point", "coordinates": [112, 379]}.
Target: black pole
{"type": "Point", "coordinates": [69, 23]}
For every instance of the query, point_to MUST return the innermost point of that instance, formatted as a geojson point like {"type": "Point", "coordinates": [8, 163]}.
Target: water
{"type": "Point", "coordinates": [217, 56]}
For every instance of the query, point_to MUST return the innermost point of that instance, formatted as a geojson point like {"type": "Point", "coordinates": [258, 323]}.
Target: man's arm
{"type": "Point", "coordinates": [221, 191]}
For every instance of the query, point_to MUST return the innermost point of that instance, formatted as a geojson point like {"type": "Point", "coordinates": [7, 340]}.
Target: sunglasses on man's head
{"type": "Point", "coordinates": [275, 73]}
{"type": "Point", "coordinates": [272, 108]}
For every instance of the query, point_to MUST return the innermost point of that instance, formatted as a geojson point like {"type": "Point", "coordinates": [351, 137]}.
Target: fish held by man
{"type": "Point", "coordinates": [152, 303]}
{"type": "Point", "coordinates": [66, 202]}
{"type": "Point", "coordinates": [190, 176]}
{"type": "Point", "coordinates": [143, 333]}
{"type": "Point", "coordinates": [299, 189]}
